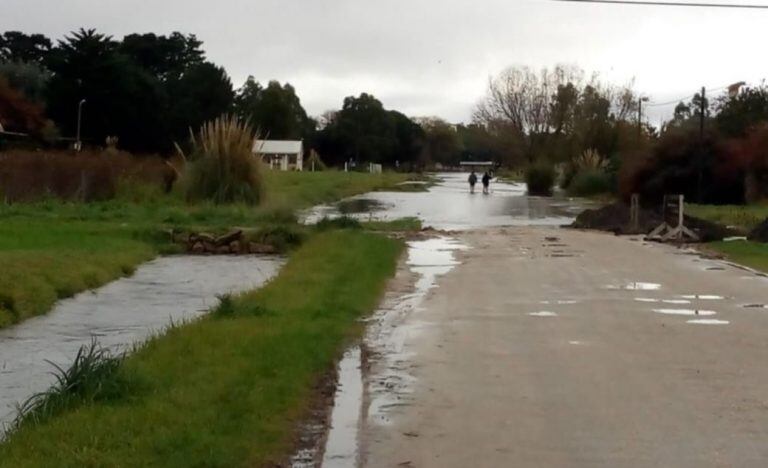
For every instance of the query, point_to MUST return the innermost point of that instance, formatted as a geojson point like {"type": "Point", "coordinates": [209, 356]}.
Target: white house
{"type": "Point", "coordinates": [283, 154]}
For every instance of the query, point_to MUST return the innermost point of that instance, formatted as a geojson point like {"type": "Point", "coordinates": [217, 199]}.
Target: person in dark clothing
{"type": "Point", "coordinates": [472, 182]}
{"type": "Point", "coordinates": [486, 183]}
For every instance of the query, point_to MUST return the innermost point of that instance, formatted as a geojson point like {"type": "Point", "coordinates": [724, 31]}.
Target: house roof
{"type": "Point", "coordinates": [277, 146]}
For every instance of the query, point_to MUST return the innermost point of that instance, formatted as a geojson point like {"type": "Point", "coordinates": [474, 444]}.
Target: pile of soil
{"type": "Point", "coordinates": [616, 216]}
{"type": "Point", "coordinates": [760, 232]}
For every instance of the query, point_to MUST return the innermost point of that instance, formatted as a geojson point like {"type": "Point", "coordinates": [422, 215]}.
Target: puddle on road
{"type": "Point", "coordinates": [701, 313]}
{"type": "Point", "coordinates": [703, 297]}
{"type": "Point", "coordinates": [635, 286]}
{"type": "Point", "coordinates": [708, 322]}
{"type": "Point", "coordinates": [119, 314]}
{"type": "Point", "coordinates": [387, 385]}
{"type": "Point", "coordinates": [341, 447]}
{"type": "Point", "coordinates": [543, 313]}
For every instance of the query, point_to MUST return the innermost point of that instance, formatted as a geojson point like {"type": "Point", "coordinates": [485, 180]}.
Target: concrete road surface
{"type": "Point", "coordinates": [558, 348]}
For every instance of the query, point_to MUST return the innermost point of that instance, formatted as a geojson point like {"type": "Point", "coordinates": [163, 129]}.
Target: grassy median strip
{"type": "Point", "coordinates": [228, 389]}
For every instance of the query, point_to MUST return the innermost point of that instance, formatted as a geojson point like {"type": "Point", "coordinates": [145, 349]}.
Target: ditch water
{"type": "Point", "coordinates": [164, 291]}
{"type": "Point", "coordinates": [448, 205]}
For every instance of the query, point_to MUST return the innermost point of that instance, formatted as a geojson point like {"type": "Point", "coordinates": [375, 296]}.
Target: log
{"type": "Point", "coordinates": [229, 238]}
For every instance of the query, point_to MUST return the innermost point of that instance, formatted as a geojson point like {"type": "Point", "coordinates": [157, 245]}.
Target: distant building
{"type": "Point", "coordinates": [281, 154]}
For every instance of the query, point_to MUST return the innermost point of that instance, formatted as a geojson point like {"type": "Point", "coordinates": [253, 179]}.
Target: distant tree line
{"type": "Point", "coordinates": [149, 90]}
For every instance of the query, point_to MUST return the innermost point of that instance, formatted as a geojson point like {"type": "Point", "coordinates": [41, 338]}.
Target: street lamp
{"type": "Point", "coordinates": [78, 143]}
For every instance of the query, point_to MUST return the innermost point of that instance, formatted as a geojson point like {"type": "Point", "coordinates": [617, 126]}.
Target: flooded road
{"type": "Point", "coordinates": [448, 205]}
{"type": "Point", "coordinates": [126, 311]}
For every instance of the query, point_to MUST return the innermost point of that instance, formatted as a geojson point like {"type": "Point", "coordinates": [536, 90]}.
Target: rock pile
{"type": "Point", "coordinates": [232, 243]}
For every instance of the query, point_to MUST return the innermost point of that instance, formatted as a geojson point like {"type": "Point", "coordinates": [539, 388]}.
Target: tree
{"type": "Point", "coordinates": [16, 46]}
{"type": "Point", "coordinates": [364, 131]}
{"type": "Point", "coordinates": [201, 94]}
{"type": "Point", "coordinates": [17, 114]}
{"type": "Point", "coordinates": [275, 110]}
{"type": "Point", "coordinates": [30, 78]}
{"type": "Point", "coordinates": [165, 57]}
{"type": "Point", "coordinates": [553, 114]}
{"type": "Point", "coordinates": [121, 98]}
{"type": "Point", "coordinates": [740, 113]}
{"type": "Point", "coordinates": [441, 141]}
{"type": "Point", "coordinates": [409, 137]}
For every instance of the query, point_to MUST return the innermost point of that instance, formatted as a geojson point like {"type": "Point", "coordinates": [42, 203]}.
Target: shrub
{"type": "Point", "coordinates": [540, 179]}
{"type": "Point", "coordinates": [590, 182]}
{"type": "Point", "coordinates": [223, 167]}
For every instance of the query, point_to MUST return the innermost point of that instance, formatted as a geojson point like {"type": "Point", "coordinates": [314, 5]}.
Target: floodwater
{"type": "Point", "coordinates": [119, 314]}
{"type": "Point", "coordinates": [448, 205]}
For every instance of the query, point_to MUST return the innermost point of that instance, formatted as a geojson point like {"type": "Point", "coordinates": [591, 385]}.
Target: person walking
{"type": "Point", "coordinates": [472, 182]}
{"type": "Point", "coordinates": [486, 183]}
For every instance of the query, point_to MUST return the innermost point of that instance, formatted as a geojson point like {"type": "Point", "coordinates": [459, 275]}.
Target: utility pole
{"type": "Point", "coordinates": [640, 102]}
{"type": "Point", "coordinates": [700, 175]}
{"type": "Point", "coordinates": [78, 143]}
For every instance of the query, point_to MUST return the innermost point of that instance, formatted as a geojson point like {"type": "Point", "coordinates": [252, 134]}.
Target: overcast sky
{"type": "Point", "coordinates": [432, 57]}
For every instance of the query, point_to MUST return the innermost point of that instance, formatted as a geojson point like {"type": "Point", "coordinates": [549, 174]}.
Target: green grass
{"type": "Point", "coordinates": [226, 390]}
{"type": "Point", "coordinates": [396, 225]}
{"type": "Point", "coordinates": [51, 249]}
{"type": "Point", "coordinates": [751, 254]}
{"type": "Point", "coordinates": [742, 217]}
{"type": "Point", "coordinates": [43, 262]}
{"type": "Point", "coordinates": [303, 189]}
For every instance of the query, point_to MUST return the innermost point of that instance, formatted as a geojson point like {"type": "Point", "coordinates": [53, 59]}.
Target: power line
{"type": "Point", "coordinates": [676, 101]}
{"type": "Point", "coordinates": [671, 4]}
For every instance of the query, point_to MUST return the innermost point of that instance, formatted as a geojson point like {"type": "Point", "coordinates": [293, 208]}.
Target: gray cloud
{"type": "Point", "coordinates": [430, 57]}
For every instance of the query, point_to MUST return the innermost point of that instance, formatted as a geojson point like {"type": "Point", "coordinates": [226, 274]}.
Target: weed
{"type": "Point", "coordinates": [93, 376]}
{"type": "Point", "coordinates": [226, 307]}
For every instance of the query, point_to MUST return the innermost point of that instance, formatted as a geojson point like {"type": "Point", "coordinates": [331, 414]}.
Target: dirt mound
{"type": "Point", "coordinates": [760, 232]}
{"type": "Point", "coordinates": [616, 218]}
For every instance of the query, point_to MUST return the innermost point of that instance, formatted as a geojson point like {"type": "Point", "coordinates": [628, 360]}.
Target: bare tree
{"type": "Point", "coordinates": [524, 97]}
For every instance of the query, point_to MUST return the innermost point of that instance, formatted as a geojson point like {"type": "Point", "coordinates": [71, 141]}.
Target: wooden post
{"type": "Point", "coordinates": [634, 213]}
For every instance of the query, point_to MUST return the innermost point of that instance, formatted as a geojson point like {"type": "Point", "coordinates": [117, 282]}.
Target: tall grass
{"type": "Point", "coordinates": [93, 376]}
{"type": "Point", "coordinates": [87, 176]}
{"type": "Point", "coordinates": [224, 168]}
